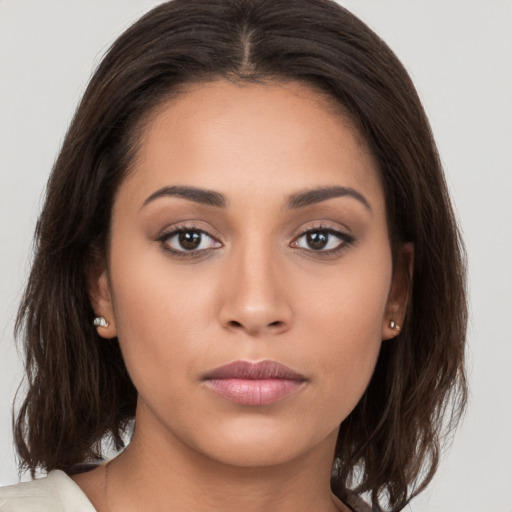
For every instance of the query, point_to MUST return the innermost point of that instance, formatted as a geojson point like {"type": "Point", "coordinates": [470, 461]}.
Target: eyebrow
{"type": "Point", "coordinates": [295, 201]}
{"type": "Point", "coordinates": [318, 195]}
{"type": "Point", "coordinates": [198, 195]}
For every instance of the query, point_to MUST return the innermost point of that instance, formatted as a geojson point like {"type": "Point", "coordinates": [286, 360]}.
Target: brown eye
{"type": "Point", "coordinates": [322, 240]}
{"type": "Point", "coordinates": [317, 240]}
{"type": "Point", "coordinates": [188, 241]}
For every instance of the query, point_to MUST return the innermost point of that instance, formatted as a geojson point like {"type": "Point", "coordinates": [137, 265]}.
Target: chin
{"type": "Point", "coordinates": [253, 444]}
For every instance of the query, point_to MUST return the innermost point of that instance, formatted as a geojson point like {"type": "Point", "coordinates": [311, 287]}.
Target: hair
{"type": "Point", "coordinates": [78, 389]}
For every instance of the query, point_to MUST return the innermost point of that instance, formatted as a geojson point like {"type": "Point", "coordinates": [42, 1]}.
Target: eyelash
{"type": "Point", "coordinates": [167, 236]}
{"type": "Point", "coordinates": [345, 240]}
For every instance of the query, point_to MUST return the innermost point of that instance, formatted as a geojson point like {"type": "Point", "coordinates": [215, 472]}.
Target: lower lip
{"type": "Point", "coordinates": [254, 392]}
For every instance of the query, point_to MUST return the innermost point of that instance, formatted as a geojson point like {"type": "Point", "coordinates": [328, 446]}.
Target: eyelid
{"type": "Point", "coordinates": [189, 225]}
{"type": "Point", "coordinates": [346, 239]}
{"type": "Point", "coordinates": [174, 230]}
{"type": "Point", "coordinates": [344, 235]}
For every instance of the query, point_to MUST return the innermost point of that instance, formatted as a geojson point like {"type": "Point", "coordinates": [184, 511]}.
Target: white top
{"type": "Point", "coordinates": [58, 493]}
{"type": "Point", "coordinates": [54, 493]}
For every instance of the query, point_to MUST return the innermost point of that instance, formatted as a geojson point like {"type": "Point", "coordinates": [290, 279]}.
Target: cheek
{"type": "Point", "coordinates": [345, 318]}
{"type": "Point", "coordinates": [158, 317]}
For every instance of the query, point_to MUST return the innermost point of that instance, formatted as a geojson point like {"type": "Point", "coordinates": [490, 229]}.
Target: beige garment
{"type": "Point", "coordinates": [54, 493]}
{"type": "Point", "coordinates": [59, 493]}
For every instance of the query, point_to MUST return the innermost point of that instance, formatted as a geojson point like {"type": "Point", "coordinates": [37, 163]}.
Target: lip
{"type": "Point", "coordinates": [254, 383]}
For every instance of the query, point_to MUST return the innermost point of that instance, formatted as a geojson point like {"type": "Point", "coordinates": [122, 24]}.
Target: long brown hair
{"type": "Point", "coordinates": [79, 392]}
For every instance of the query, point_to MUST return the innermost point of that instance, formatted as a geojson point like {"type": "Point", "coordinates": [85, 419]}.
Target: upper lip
{"type": "Point", "coordinates": [254, 370]}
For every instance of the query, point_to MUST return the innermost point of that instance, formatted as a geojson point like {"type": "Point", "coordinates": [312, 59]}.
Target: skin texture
{"type": "Point", "coordinates": [254, 290]}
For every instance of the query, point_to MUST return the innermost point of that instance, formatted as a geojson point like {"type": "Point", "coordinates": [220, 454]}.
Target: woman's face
{"type": "Point", "coordinates": [251, 229]}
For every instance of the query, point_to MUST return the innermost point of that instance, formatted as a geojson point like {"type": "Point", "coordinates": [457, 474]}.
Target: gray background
{"type": "Point", "coordinates": [460, 56]}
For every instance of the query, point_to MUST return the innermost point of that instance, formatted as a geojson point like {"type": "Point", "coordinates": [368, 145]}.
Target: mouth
{"type": "Point", "coordinates": [254, 383]}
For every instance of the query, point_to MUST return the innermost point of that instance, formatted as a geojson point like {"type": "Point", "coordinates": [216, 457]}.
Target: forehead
{"type": "Point", "coordinates": [256, 138]}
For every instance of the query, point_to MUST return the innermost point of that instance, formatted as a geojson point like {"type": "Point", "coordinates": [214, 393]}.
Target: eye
{"type": "Point", "coordinates": [188, 240]}
{"type": "Point", "coordinates": [322, 240]}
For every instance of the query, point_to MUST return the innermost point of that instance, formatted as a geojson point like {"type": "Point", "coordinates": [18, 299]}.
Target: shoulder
{"type": "Point", "coordinates": [55, 493]}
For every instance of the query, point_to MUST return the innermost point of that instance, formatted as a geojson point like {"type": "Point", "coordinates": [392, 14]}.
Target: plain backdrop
{"type": "Point", "coordinates": [459, 54]}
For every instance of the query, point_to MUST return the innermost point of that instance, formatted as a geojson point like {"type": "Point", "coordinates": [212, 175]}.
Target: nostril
{"type": "Point", "coordinates": [234, 324]}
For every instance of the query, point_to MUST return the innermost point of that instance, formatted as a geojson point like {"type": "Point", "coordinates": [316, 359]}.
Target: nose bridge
{"type": "Point", "coordinates": [255, 298]}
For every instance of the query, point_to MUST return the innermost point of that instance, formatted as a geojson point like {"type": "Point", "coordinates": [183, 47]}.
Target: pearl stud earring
{"type": "Point", "coordinates": [394, 325]}
{"type": "Point", "coordinates": [101, 321]}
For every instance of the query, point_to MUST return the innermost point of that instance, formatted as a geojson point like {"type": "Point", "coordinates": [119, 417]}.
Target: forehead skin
{"type": "Point", "coordinates": [236, 122]}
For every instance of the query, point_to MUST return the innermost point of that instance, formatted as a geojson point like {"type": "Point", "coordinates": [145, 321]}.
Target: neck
{"type": "Point", "coordinates": [160, 476]}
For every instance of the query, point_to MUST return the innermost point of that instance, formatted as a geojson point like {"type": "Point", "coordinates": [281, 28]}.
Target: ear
{"type": "Point", "coordinates": [101, 298]}
{"type": "Point", "coordinates": [398, 298]}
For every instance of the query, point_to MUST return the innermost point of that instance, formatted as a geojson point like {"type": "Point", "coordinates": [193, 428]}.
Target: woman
{"type": "Point", "coordinates": [247, 247]}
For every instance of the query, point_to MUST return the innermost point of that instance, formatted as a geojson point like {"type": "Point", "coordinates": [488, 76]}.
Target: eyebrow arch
{"type": "Point", "coordinates": [198, 195]}
{"type": "Point", "coordinates": [318, 195]}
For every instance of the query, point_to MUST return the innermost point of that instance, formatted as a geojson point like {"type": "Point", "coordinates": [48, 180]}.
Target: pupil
{"type": "Point", "coordinates": [317, 240]}
{"type": "Point", "coordinates": [189, 240]}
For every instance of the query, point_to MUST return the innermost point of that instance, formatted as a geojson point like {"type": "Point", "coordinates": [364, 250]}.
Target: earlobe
{"type": "Point", "coordinates": [399, 294]}
{"type": "Point", "coordinates": [101, 301]}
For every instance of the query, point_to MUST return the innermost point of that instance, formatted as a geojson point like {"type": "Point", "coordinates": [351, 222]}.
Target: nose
{"type": "Point", "coordinates": [255, 295]}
